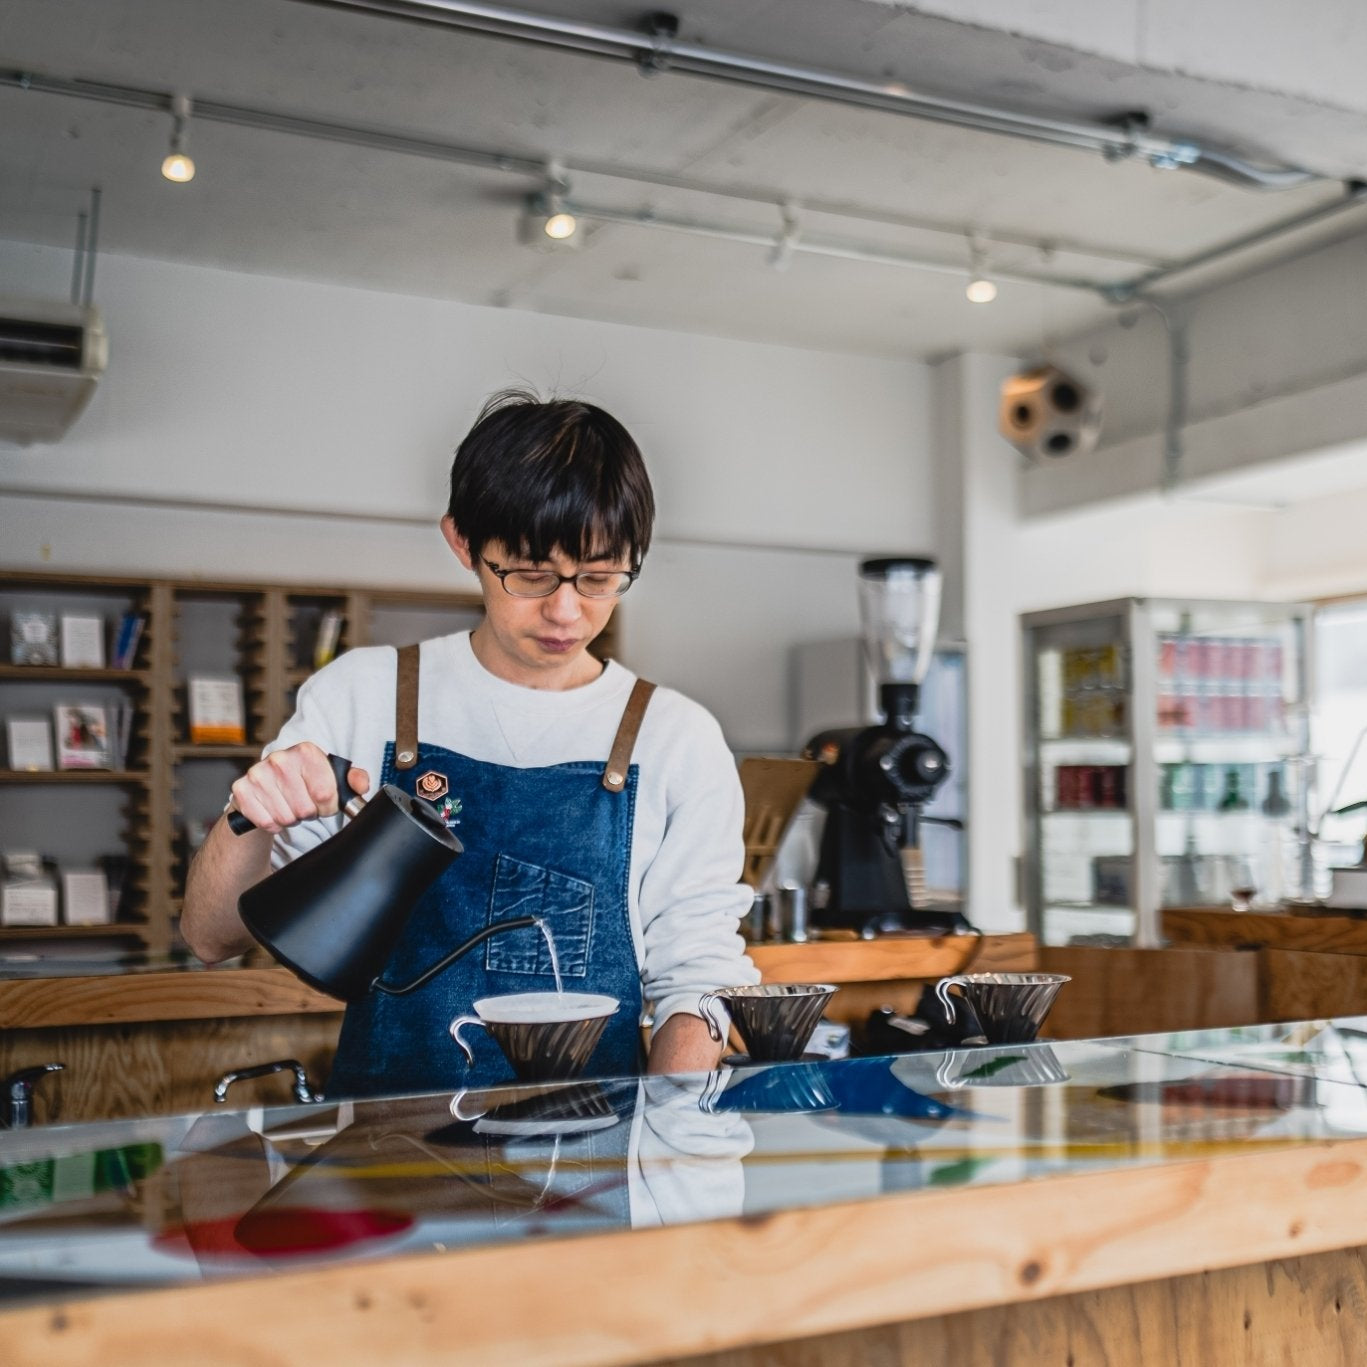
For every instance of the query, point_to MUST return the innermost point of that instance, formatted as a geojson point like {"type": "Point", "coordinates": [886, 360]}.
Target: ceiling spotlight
{"type": "Point", "coordinates": [547, 221]}
{"type": "Point", "coordinates": [981, 289]}
{"type": "Point", "coordinates": [178, 166]}
{"type": "Point", "coordinates": [560, 223]}
{"type": "Point", "coordinates": [548, 224]}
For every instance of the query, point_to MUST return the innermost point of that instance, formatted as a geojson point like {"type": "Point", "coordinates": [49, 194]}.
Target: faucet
{"type": "Point", "coordinates": [16, 1106]}
{"type": "Point", "coordinates": [303, 1089]}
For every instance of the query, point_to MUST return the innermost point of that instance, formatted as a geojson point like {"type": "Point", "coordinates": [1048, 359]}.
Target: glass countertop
{"type": "Point", "coordinates": [183, 1199]}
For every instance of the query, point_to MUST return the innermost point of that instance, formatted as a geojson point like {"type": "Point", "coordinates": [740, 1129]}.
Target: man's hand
{"type": "Point", "coordinates": [285, 788]}
{"type": "Point", "coordinates": [290, 786]}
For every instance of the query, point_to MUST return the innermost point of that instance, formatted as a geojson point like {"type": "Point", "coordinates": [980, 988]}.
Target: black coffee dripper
{"type": "Point", "coordinates": [333, 915]}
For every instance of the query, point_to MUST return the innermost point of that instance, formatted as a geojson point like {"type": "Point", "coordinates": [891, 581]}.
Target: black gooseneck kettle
{"type": "Point", "coordinates": [333, 915]}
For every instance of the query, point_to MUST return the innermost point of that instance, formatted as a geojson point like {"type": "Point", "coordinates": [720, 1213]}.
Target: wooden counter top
{"type": "Point", "coordinates": [849, 961]}
{"type": "Point", "coordinates": [1178, 1197]}
{"type": "Point", "coordinates": [196, 994]}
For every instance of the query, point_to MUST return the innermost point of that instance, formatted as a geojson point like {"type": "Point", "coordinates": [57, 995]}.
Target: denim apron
{"type": "Point", "coordinates": [553, 843]}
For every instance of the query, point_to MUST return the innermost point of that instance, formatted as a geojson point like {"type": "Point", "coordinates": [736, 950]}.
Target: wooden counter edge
{"type": "Point", "coordinates": [891, 958]}
{"type": "Point", "coordinates": [628, 1296]}
{"type": "Point", "coordinates": [128, 998]}
{"type": "Point", "coordinates": [125, 999]}
{"type": "Point", "coordinates": [1191, 928]}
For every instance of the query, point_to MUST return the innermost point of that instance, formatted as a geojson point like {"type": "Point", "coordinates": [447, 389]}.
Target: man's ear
{"type": "Point", "coordinates": [459, 544]}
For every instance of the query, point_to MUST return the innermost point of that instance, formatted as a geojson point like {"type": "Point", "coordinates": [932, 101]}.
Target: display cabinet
{"type": "Point", "coordinates": [138, 811]}
{"type": "Point", "coordinates": [1166, 763]}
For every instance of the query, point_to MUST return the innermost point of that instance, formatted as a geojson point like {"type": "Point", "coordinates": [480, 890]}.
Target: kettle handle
{"type": "Point", "coordinates": [240, 824]}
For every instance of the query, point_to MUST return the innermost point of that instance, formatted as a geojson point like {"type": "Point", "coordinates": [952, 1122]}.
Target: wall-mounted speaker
{"type": "Point", "coordinates": [1045, 412]}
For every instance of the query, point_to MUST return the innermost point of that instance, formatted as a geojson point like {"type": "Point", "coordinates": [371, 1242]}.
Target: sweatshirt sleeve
{"type": "Point", "coordinates": [691, 900]}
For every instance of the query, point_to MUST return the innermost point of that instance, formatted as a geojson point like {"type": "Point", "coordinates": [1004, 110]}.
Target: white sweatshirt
{"type": "Point", "coordinates": [686, 851]}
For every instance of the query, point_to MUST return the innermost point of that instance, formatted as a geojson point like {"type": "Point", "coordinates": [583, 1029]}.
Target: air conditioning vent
{"type": "Point", "coordinates": [24, 342]}
{"type": "Point", "coordinates": [51, 358]}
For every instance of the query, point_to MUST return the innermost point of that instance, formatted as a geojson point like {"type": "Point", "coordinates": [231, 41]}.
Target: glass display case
{"type": "Point", "coordinates": [1165, 763]}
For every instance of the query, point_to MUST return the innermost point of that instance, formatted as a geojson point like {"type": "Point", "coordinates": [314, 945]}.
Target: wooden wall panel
{"type": "Point", "coordinates": [164, 1067]}
{"type": "Point", "coordinates": [1308, 1311]}
{"type": "Point", "coordinates": [1300, 985]}
{"type": "Point", "coordinates": [1139, 991]}
{"type": "Point", "coordinates": [1346, 934]}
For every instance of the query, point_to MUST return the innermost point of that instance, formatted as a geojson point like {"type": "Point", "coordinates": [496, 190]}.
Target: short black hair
{"type": "Point", "coordinates": [541, 476]}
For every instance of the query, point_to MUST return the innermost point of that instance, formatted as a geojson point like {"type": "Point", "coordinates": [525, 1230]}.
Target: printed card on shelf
{"type": "Point", "coordinates": [85, 898]}
{"type": "Point", "coordinates": [82, 736]}
{"type": "Point", "coordinates": [33, 637]}
{"type": "Point", "coordinates": [29, 743]}
{"type": "Point", "coordinates": [28, 893]}
{"type": "Point", "coordinates": [82, 641]}
{"type": "Point", "coordinates": [216, 710]}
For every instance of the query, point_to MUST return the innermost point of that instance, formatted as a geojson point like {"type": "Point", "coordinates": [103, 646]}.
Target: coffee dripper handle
{"type": "Point", "coordinates": [455, 1028]}
{"type": "Point", "coordinates": [942, 992]}
{"type": "Point", "coordinates": [705, 1004]}
{"type": "Point", "coordinates": [347, 801]}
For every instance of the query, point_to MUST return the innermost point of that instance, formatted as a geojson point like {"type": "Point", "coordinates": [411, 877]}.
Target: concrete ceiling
{"type": "Point", "coordinates": [679, 145]}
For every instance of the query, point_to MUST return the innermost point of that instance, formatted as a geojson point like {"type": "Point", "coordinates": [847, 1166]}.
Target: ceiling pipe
{"type": "Point", "coordinates": [819, 246]}
{"type": "Point", "coordinates": [656, 47]}
{"type": "Point", "coordinates": [534, 167]}
{"type": "Point", "coordinates": [1115, 291]}
{"type": "Point", "coordinates": [1355, 194]}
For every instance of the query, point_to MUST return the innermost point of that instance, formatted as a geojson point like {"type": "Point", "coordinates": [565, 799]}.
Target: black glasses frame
{"type": "Point", "coordinates": [501, 575]}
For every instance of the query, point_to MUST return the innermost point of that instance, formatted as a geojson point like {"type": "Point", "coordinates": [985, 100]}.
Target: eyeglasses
{"type": "Point", "coordinates": [543, 583]}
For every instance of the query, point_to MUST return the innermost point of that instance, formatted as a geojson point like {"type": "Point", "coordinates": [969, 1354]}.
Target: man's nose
{"type": "Point", "coordinates": [563, 605]}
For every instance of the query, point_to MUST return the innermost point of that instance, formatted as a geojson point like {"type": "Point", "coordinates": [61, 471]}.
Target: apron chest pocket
{"type": "Point", "coordinates": [564, 903]}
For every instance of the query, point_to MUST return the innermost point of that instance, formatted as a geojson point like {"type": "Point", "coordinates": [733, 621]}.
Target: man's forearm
{"type": "Point", "coordinates": [683, 1045]}
{"type": "Point", "coordinates": [225, 866]}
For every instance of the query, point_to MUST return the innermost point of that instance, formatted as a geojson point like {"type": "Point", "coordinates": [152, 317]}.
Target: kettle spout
{"type": "Point", "coordinates": [478, 938]}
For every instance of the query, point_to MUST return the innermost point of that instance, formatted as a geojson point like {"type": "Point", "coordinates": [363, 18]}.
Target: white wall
{"type": "Point", "coordinates": [273, 428]}
{"type": "Point", "coordinates": [1277, 372]}
{"type": "Point", "coordinates": [1012, 563]}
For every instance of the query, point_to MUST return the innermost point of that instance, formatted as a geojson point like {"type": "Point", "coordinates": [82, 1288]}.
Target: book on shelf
{"type": "Point", "coordinates": [329, 633]}
{"type": "Point", "coordinates": [82, 641]}
{"type": "Point", "coordinates": [217, 715]}
{"type": "Point", "coordinates": [120, 732]}
{"type": "Point", "coordinates": [83, 740]}
{"type": "Point", "coordinates": [126, 638]}
{"type": "Point", "coordinates": [29, 743]}
{"type": "Point", "coordinates": [32, 637]}
{"type": "Point", "coordinates": [85, 898]}
{"type": "Point", "coordinates": [28, 889]}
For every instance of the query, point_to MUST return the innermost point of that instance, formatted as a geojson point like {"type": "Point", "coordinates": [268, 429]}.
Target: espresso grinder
{"type": "Point", "coordinates": [876, 780]}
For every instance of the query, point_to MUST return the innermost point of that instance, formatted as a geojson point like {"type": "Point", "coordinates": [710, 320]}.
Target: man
{"type": "Point", "coordinates": [612, 812]}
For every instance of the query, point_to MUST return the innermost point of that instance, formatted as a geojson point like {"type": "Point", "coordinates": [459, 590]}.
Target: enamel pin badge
{"type": "Point", "coordinates": [432, 785]}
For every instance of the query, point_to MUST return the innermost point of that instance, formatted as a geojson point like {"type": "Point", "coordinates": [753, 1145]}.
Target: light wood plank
{"type": "Point", "coordinates": [630, 1296]}
{"type": "Point", "coordinates": [30, 1003]}
{"type": "Point", "coordinates": [1308, 1311]}
{"type": "Point", "coordinates": [849, 961]}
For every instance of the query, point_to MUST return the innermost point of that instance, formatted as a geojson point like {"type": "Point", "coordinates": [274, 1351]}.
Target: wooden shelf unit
{"type": "Point", "coordinates": [266, 640]}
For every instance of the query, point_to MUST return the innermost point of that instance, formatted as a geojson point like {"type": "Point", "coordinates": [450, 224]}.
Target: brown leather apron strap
{"type": "Point", "coordinates": [406, 708]}
{"type": "Point", "coordinates": [619, 761]}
